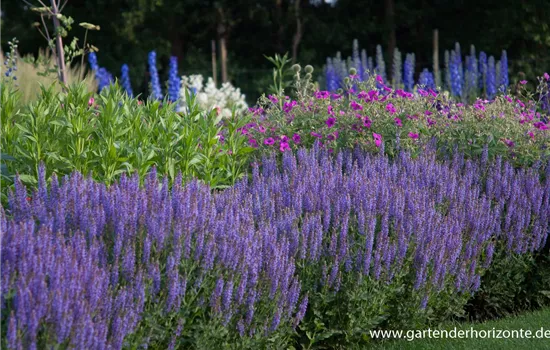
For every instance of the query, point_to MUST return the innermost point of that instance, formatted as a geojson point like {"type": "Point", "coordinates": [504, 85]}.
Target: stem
{"type": "Point", "coordinates": [83, 53]}
{"type": "Point", "coordinates": [59, 45]}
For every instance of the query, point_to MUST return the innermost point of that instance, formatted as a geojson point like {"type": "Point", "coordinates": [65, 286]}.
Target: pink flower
{"type": "Point", "coordinates": [427, 112]}
{"type": "Point", "coordinates": [253, 143]}
{"type": "Point", "coordinates": [531, 135]}
{"type": "Point", "coordinates": [261, 129]}
{"type": "Point", "coordinates": [413, 135]}
{"type": "Point", "coordinates": [367, 122]}
{"type": "Point", "coordinates": [390, 108]}
{"type": "Point", "coordinates": [287, 107]}
{"type": "Point", "coordinates": [546, 76]}
{"type": "Point", "coordinates": [540, 126]}
{"type": "Point", "coordinates": [379, 79]}
{"type": "Point", "coordinates": [333, 136]}
{"type": "Point", "coordinates": [269, 141]}
{"type": "Point", "coordinates": [356, 106]}
{"type": "Point", "coordinates": [296, 138]}
{"type": "Point", "coordinates": [284, 138]}
{"type": "Point", "coordinates": [284, 146]}
{"type": "Point", "coordinates": [509, 142]}
{"type": "Point", "coordinates": [377, 139]}
{"type": "Point", "coordinates": [523, 82]}
{"type": "Point", "coordinates": [330, 122]}
{"type": "Point", "coordinates": [273, 99]}
{"type": "Point", "coordinates": [322, 94]}
{"type": "Point", "coordinates": [398, 122]}
{"type": "Point", "coordinates": [330, 110]}
{"type": "Point", "coordinates": [91, 101]}
{"type": "Point", "coordinates": [430, 122]}
{"type": "Point", "coordinates": [314, 134]}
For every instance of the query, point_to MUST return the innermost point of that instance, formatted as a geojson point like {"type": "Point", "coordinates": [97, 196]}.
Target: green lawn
{"type": "Point", "coordinates": [531, 321]}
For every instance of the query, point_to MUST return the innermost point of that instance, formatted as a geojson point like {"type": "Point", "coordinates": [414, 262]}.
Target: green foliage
{"type": "Point", "coordinates": [512, 284]}
{"type": "Point", "coordinates": [114, 134]}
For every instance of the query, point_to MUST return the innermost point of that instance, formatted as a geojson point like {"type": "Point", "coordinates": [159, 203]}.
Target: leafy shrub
{"type": "Point", "coordinates": [111, 134]}
{"type": "Point", "coordinates": [310, 253]}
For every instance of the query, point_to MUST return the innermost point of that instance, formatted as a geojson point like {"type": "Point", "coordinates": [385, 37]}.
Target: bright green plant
{"type": "Point", "coordinates": [112, 134]}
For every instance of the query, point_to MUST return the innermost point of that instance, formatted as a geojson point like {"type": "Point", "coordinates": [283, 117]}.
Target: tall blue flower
{"type": "Point", "coordinates": [426, 79]}
{"type": "Point", "coordinates": [102, 75]}
{"type": "Point", "coordinates": [491, 79]}
{"type": "Point", "coordinates": [456, 76]}
{"type": "Point", "coordinates": [125, 80]}
{"type": "Point", "coordinates": [173, 80]}
{"type": "Point", "coordinates": [408, 72]}
{"type": "Point", "coordinates": [471, 73]}
{"type": "Point", "coordinates": [482, 70]}
{"type": "Point", "coordinates": [331, 77]}
{"type": "Point", "coordinates": [503, 82]}
{"type": "Point", "coordinates": [104, 78]}
{"type": "Point", "coordinates": [92, 59]}
{"type": "Point", "coordinates": [156, 92]}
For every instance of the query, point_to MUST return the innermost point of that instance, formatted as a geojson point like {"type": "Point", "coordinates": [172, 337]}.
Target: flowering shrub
{"type": "Point", "coordinates": [511, 126]}
{"type": "Point", "coordinates": [314, 253]}
{"type": "Point", "coordinates": [209, 97]}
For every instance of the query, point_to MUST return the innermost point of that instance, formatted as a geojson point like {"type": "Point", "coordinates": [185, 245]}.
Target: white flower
{"type": "Point", "coordinates": [209, 97]}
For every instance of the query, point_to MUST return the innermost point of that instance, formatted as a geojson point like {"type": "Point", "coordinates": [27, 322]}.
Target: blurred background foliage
{"type": "Point", "coordinates": [318, 29]}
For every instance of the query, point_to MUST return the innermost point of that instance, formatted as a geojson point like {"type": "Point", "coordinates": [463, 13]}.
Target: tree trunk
{"type": "Point", "coordinates": [437, 75]}
{"type": "Point", "coordinates": [298, 34]}
{"type": "Point", "coordinates": [214, 64]}
{"type": "Point", "coordinates": [390, 28]}
{"type": "Point", "coordinates": [223, 50]}
{"type": "Point", "coordinates": [222, 35]}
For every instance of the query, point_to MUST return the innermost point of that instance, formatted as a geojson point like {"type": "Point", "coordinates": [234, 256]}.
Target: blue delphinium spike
{"type": "Point", "coordinates": [155, 83]}
{"type": "Point", "coordinates": [472, 73]}
{"type": "Point", "coordinates": [125, 80]}
{"type": "Point", "coordinates": [92, 59]}
{"type": "Point", "coordinates": [456, 77]}
{"type": "Point", "coordinates": [173, 80]}
{"type": "Point", "coordinates": [482, 70]}
{"type": "Point", "coordinates": [408, 73]}
{"type": "Point", "coordinates": [331, 76]}
{"type": "Point", "coordinates": [491, 79]}
{"type": "Point", "coordinates": [503, 82]}
{"type": "Point", "coordinates": [426, 79]}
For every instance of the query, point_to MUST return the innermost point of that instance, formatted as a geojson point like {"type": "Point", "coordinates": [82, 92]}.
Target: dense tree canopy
{"type": "Point", "coordinates": [315, 29]}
